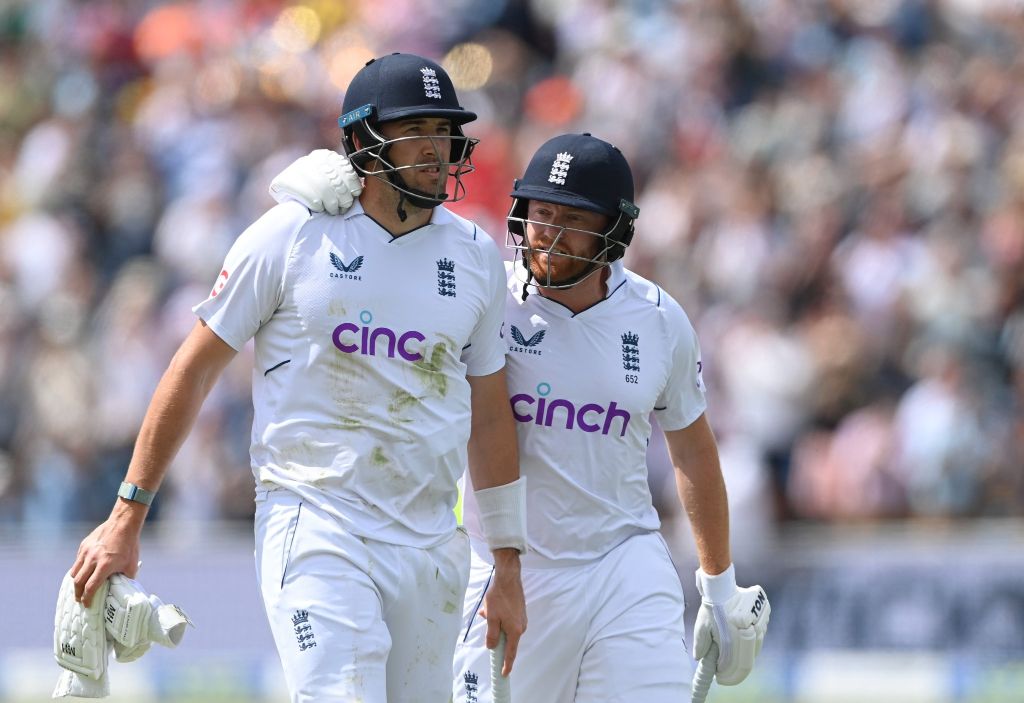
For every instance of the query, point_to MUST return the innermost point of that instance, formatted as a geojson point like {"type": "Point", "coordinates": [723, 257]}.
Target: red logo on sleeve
{"type": "Point", "coordinates": [221, 281]}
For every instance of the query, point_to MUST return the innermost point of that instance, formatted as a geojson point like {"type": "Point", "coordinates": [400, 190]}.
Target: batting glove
{"type": "Point", "coordinates": [135, 619]}
{"type": "Point", "coordinates": [79, 641]}
{"type": "Point", "coordinates": [736, 619]}
{"type": "Point", "coordinates": [323, 180]}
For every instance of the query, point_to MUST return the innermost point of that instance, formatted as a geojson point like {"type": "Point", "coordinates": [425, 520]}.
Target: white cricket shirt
{"type": "Point", "coordinates": [582, 388]}
{"type": "Point", "coordinates": [362, 347]}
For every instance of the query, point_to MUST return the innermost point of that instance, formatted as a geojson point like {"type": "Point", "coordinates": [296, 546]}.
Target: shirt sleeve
{"type": "Point", "coordinates": [250, 286]}
{"type": "Point", "coordinates": [485, 353]}
{"type": "Point", "coordinates": [682, 400]}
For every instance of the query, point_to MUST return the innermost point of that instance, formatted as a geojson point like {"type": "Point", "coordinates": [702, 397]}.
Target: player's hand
{"type": "Point", "coordinates": [736, 619]}
{"type": "Point", "coordinates": [504, 606]}
{"type": "Point", "coordinates": [111, 548]}
{"type": "Point", "coordinates": [321, 180]}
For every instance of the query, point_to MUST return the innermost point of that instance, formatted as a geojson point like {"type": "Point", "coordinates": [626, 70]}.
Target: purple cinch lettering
{"type": "Point", "coordinates": [368, 337]}
{"type": "Point", "coordinates": [345, 327]}
{"type": "Point", "coordinates": [581, 417]}
{"type": "Point", "coordinates": [546, 408]}
{"type": "Point", "coordinates": [515, 399]}
{"type": "Point", "coordinates": [381, 332]}
{"type": "Point", "coordinates": [403, 352]}
{"type": "Point", "coordinates": [570, 412]}
{"type": "Point", "coordinates": [614, 412]}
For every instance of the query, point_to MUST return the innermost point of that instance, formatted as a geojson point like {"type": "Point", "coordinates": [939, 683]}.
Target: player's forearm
{"type": "Point", "coordinates": [494, 466]}
{"type": "Point", "coordinates": [703, 495]}
{"type": "Point", "coordinates": [171, 414]}
{"type": "Point", "coordinates": [694, 455]}
{"type": "Point", "coordinates": [493, 453]}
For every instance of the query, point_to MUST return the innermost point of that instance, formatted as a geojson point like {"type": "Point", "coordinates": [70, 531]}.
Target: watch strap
{"type": "Point", "coordinates": [129, 491]}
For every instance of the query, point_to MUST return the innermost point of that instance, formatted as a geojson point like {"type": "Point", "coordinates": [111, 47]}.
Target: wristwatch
{"type": "Point", "coordinates": [129, 491]}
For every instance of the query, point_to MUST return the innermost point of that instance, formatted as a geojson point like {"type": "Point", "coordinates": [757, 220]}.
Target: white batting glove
{"type": "Point", "coordinates": [736, 619]}
{"type": "Point", "coordinates": [79, 642]}
{"type": "Point", "coordinates": [323, 180]}
{"type": "Point", "coordinates": [135, 619]}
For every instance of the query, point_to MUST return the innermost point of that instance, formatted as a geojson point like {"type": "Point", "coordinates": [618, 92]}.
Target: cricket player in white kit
{"type": "Point", "coordinates": [594, 350]}
{"type": "Point", "coordinates": [378, 360]}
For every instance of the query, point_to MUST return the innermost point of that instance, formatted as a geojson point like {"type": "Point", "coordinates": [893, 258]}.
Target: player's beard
{"type": "Point", "coordinates": [562, 268]}
{"type": "Point", "coordinates": [419, 183]}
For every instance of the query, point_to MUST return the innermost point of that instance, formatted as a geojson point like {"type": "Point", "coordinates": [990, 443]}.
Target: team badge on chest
{"type": "Point", "coordinates": [631, 351]}
{"type": "Point", "coordinates": [446, 277]}
{"type": "Point", "coordinates": [631, 356]}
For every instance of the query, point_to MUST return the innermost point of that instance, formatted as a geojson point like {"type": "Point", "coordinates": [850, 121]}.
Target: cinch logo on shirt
{"type": "Point", "coordinates": [367, 339]}
{"type": "Point", "coordinates": [589, 417]}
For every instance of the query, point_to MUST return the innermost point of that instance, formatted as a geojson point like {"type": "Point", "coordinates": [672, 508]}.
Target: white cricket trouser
{"type": "Point", "coordinates": [355, 619]}
{"type": "Point", "coordinates": [610, 631]}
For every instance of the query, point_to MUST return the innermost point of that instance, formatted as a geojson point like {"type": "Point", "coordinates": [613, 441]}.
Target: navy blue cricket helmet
{"type": "Point", "coordinates": [397, 87]}
{"type": "Point", "coordinates": [581, 171]}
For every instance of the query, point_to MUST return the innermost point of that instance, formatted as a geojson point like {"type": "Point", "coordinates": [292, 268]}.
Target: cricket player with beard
{"type": "Point", "coordinates": [378, 359]}
{"type": "Point", "coordinates": [594, 350]}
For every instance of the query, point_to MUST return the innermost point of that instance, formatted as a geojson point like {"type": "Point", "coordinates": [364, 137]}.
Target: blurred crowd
{"type": "Point", "coordinates": [833, 189]}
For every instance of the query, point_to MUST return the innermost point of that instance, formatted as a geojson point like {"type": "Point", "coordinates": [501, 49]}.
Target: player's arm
{"type": "Point", "coordinates": [113, 547]}
{"type": "Point", "coordinates": [694, 455]}
{"type": "Point", "coordinates": [500, 494]}
{"type": "Point", "coordinates": [734, 619]}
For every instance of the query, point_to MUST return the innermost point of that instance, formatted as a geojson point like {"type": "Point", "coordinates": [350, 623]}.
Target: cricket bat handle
{"type": "Point", "coordinates": [706, 668]}
{"type": "Point", "coordinates": [501, 689]}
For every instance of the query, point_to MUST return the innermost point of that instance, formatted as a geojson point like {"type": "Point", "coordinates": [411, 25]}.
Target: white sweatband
{"type": "Point", "coordinates": [503, 515]}
{"type": "Point", "coordinates": [719, 588]}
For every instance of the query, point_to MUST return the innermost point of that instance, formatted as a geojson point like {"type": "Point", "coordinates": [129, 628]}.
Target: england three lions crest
{"type": "Point", "coordinates": [303, 630]}
{"type": "Point", "coordinates": [446, 277]}
{"type": "Point", "coordinates": [631, 352]}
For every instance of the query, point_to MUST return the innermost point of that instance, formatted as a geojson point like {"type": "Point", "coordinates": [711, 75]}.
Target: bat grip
{"type": "Point", "coordinates": [501, 689]}
{"type": "Point", "coordinates": [706, 668]}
